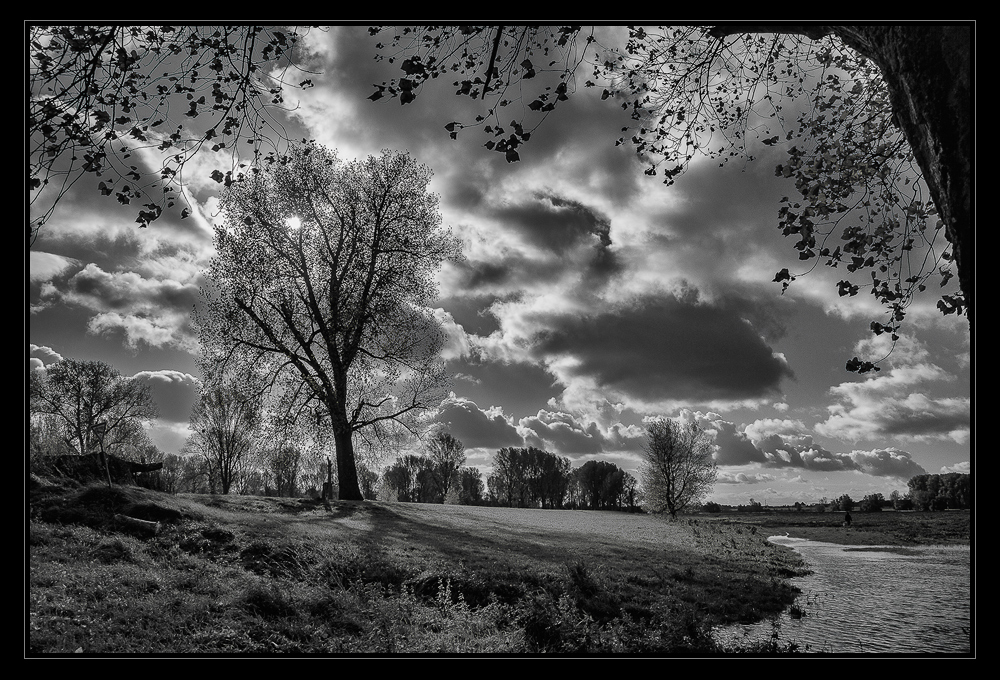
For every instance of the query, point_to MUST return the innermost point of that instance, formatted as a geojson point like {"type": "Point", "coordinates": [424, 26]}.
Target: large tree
{"type": "Point", "coordinates": [867, 135]}
{"type": "Point", "coordinates": [130, 106]}
{"type": "Point", "coordinates": [322, 279]}
{"type": "Point", "coordinates": [678, 469]}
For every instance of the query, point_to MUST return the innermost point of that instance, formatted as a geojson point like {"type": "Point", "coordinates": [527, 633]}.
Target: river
{"type": "Point", "coordinates": [871, 600]}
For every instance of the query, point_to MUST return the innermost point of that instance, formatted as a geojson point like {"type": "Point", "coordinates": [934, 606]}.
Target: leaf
{"type": "Point", "coordinates": [856, 365]}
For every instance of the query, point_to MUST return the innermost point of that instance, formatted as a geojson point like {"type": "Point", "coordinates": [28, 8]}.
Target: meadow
{"type": "Point", "coordinates": [239, 575]}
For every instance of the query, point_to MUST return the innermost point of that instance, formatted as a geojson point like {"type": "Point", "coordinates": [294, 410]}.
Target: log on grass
{"type": "Point", "coordinates": [140, 525]}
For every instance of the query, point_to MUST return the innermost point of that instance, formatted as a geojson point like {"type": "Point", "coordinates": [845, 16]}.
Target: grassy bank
{"type": "Point", "coordinates": [867, 528]}
{"type": "Point", "coordinates": [246, 575]}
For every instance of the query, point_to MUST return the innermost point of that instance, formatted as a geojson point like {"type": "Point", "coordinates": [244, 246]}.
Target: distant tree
{"type": "Point", "coordinates": [447, 455]}
{"type": "Point", "coordinates": [323, 276]}
{"type": "Point", "coordinates": [529, 477]}
{"type": "Point", "coordinates": [131, 106]}
{"type": "Point", "coordinates": [369, 482]}
{"type": "Point", "coordinates": [76, 399]}
{"type": "Point", "coordinates": [844, 503]}
{"type": "Point", "coordinates": [471, 488]}
{"type": "Point", "coordinates": [873, 502]}
{"type": "Point", "coordinates": [284, 465]}
{"type": "Point", "coordinates": [224, 423]}
{"type": "Point", "coordinates": [888, 105]}
{"type": "Point", "coordinates": [940, 491]}
{"type": "Point", "coordinates": [411, 479]}
{"type": "Point", "coordinates": [899, 501]}
{"type": "Point", "coordinates": [678, 468]}
{"type": "Point", "coordinates": [600, 483]}
{"type": "Point", "coordinates": [711, 506]}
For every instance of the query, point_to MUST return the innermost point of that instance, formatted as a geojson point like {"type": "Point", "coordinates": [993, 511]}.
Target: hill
{"type": "Point", "coordinates": [125, 570]}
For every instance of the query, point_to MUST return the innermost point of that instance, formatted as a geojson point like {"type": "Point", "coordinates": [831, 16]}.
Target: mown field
{"type": "Point", "coordinates": [247, 575]}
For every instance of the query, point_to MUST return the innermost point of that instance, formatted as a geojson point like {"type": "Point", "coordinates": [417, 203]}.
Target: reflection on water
{"type": "Point", "coordinates": [876, 600]}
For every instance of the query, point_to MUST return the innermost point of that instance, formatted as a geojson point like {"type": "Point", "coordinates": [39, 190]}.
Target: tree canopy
{"type": "Point", "coordinates": [884, 112]}
{"type": "Point", "coordinates": [322, 278]}
{"type": "Point", "coordinates": [110, 101]}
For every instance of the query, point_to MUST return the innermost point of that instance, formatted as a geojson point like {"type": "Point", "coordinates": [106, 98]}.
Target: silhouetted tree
{"type": "Point", "coordinates": [678, 468]}
{"type": "Point", "coordinates": [322, 278]}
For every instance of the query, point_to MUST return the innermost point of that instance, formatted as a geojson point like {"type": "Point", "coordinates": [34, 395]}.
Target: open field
{"type": "Point", "coordinates": [248, 575]}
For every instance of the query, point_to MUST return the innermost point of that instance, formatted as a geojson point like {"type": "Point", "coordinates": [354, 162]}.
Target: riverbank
{"type": "Point", "coordinates": [887, 528]}
{"type": "Point", "coordinates": [192, 574]}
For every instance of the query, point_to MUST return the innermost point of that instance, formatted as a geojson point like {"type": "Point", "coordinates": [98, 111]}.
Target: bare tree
{"type": "Point", "coordinates": [224, 424]}
{"type": "Point", "coordinates": [322, 279]}
{"type": "Point", "coordinates": [678, 469]}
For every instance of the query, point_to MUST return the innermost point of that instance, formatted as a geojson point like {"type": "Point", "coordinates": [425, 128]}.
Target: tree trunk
{"type": "Point", "coordinates": [347, 469]}
{"type": "Point", "coordinates": [928, 70]}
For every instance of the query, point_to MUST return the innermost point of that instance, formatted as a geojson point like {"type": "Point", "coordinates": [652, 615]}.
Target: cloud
{"type": "Point", "coordinates": [658, 348]}
{"type": "Point", "coordinates": [897, 405]}
{"type": "Point", "coordinates": [744, 478]}
{"type": "Point", "coordinates": [476, 427]}
{"type": "Point", "coordinates": [46, 266]}
{"type": "Point", "coordinates": [174, 392]}
{"type": "Point", "coordinates": [151, 311]}
{"type": "Point", "coordinates": [40, 355]}
{"type": "Point", "coordinates": [567, 434]}
{"type": "Point", "coordinates": [889, 462]}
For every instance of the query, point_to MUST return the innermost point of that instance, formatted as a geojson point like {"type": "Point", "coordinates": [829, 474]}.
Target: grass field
{"type": "Point", "coordinates": [236, 575]}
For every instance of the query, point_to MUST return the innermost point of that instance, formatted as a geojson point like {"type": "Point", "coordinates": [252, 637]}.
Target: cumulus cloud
{"type": "Point", "coordinates": [898, 405]}
{"type": "Point", "coordinates": [889, 462]}
{"type": "Point", "coordinates": [40, 355]}
{"type": "Point", "coordinates": [151, 311]}
{"type": "Point", "coordinates": [744, 478]}
{"type": "Point", "coordinates": [476, 427]}
{"type": "Point", "coordinates": [174, 392]}
{"type": "Point", "coordinates": [45, 266]}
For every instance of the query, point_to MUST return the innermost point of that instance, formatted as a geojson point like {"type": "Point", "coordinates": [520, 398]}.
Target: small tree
{"type": "Point", "coordinates": [678, 469]}
{"type": "Point", "coordinates": [224, 422]}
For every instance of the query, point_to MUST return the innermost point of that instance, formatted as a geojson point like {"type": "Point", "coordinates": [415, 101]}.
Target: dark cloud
{"type": "Point", "coordinates": [555, 224]}
{"type": "Point", "coordinates": [473, 312]}
{"type": "Point", "coordinates": [528, 385]}
{"type": "Point", "coordinates": [665, 347]}
{"type": "Point", "coordinates": [477, 428]}
{"type": "Point", "coordinates": [174, 392]}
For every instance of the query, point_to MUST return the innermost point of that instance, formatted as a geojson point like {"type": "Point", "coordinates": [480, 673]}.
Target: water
{"type": "Point", "coordinates": [868, 600]}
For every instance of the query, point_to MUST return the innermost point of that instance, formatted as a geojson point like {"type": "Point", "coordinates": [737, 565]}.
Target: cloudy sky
{"type": "Point", "coordinates": [591, 297]}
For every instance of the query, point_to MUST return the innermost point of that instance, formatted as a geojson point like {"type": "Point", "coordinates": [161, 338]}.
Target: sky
{"type": "Point", "coordinates": [590, 298]}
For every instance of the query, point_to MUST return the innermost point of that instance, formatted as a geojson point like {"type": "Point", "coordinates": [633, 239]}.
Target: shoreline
{"type": "Point", "coordinates": [868, 529]}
